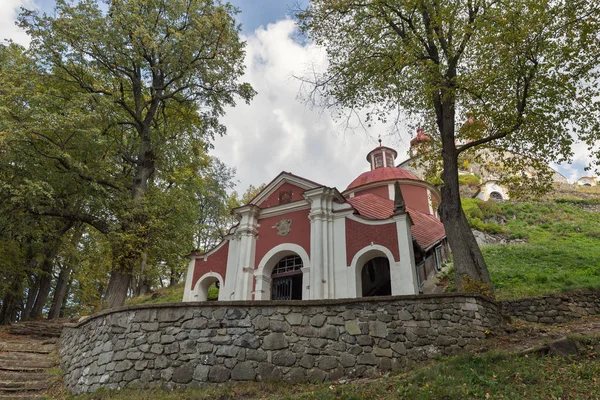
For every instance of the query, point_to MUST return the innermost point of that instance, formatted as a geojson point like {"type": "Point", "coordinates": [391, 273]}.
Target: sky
{"type": "Point", "coordinates": [278, 131]}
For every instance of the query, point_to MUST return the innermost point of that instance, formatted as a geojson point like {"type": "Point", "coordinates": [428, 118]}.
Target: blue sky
{"type": "Point", "coordinates": [254, 13]}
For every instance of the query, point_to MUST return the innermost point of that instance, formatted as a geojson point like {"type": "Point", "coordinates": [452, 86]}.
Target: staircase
{"type": "Point", "coordinates": [28, 362]}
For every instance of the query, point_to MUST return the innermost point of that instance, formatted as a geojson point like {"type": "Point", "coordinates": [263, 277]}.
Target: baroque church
{"type": "Point", "coordinates": [298, 239]}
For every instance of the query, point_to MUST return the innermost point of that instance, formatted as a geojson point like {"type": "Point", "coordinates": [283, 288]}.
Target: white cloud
{"type": "Point", "coordinates": [277, 132]}
{"type": "Point", "coordinates": [9, 10]}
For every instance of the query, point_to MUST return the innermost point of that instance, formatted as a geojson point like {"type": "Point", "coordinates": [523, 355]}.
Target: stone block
{"type": "Point", "coordinates": [315, 375]}
{"type": "Point", "coordinates": [352, 327]}
{"type": "Point", "coordinates": [275, 341]}
{"type": "Point", "coordinates": [367, 359]}
{"type": "Point", "coordinates": [268, 372]}
{"type": "Point", "coordinates": [318, 320]}
{"type": "Point", "coordinates": [279, 326]}
{"type": "Point", "coordinates": [295, 375]}
{"type": "Point", "coordinates": [284, 358]}
{"type": "Point", "coordinates": [218, 374]}
{"type": "Point", "coordinates": [201, 373]}
{"type": "Point", "coordinates": [377, 329]}
{"type": "Point", "coordinates": [327, 362]}
{"type": "Point", "coordinates": [168, 315]}
{"type": "Point", "coordinates": [329, 332]}
{"type": "Point", "coordinates": [307, 361]}
{"type": "Point", "coordinates": [183, 374]}
{"type": "Point", "coordinates": [243, 371]}
{"type": "Point", "coordinates": [294, 318]}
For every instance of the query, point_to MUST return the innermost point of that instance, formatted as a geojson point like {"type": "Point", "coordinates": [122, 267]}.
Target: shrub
{"type": "Point", "coordinates": [468, 180]}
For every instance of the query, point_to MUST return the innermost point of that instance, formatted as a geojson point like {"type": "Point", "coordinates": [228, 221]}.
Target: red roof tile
{"type": "Point", "coordinates": [381, 174]}
{"type": "Point", "coordinates": [371, 206]}
{"type": "Point", "coordinates": [426, 229]}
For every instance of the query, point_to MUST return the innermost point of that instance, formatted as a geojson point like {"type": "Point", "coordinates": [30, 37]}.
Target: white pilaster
{"type": "Point", "coordinates": [246, 234]}
{"type": "Point", "coordinates": [322, 275]}
{"type": "Point", "coordinates": [187, 291]}
{"type": "Point", "coordinates": [404, 274]}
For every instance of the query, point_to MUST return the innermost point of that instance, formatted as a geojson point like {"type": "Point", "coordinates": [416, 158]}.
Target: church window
{"type": "Point", "coordinates": [389, 160]}
{"type": "Point", "coordinates": [378, 161]}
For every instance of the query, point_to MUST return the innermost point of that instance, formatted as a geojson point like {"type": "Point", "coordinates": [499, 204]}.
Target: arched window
{"type": "Point", "coordinates": [496, 196]}
{"type": "Point", "coordinates": [286, 279]}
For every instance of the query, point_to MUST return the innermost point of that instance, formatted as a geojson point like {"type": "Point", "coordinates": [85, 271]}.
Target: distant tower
{"type": "Point", "coordinates": [417, 144]}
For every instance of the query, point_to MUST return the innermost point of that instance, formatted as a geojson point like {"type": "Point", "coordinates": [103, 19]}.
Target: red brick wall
{"type": "Point", "coordinates": [268, 237]}
{"type": "Point", "coordinates": [216, 262]}
{"type": "Point", "coordinates": [360, 235]}
{"type": "Point", "coordinates": [273, 199]}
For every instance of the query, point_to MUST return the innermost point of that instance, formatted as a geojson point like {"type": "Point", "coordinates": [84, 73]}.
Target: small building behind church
{"type": "Point", "coordinates": [298, 239]}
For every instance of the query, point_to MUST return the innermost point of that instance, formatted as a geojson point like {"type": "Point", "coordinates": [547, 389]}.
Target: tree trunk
{"type": "Point", "coordinates": [121, 277]}
{"type": "Point", "coordinates": [11, 305]}
{"type": "Point", "coordinates": [142, 285]}
{"type": "Point", "coordinates": [45, 279]}
{"type": "Point", "coordinates": [65, 299]}
{"type": "Point", "coordinates": [44, 288]}
{"type": "Point", "coordinates": [469, 265]}
{"type": "Point", "coordinates": [60, 292]}
{"type": "Point", "coordinates": [116, 292]}
{"type": "Point", "coordinates": [31, 295]}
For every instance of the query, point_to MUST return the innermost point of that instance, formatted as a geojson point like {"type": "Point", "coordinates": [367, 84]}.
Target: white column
{"type": "Point", "coordinates": [246, 234]}
{"type": "Point", "coordinates": [404, 274]}
{"type": "Point", "coordinates": [188, 289]}
{"type": "Point", "coordinates": [322, 277]}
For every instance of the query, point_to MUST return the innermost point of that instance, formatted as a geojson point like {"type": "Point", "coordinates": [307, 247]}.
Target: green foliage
{"type": "Point", "coordinates": [468, 180]}
{"type": "Point", "coordinates": [171, 294]}
{"type": "Point", "coordinates": [477, 211]}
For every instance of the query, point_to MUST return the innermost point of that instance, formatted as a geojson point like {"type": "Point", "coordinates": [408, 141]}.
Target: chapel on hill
{"type": "Point", "coordinates": [298, 239]}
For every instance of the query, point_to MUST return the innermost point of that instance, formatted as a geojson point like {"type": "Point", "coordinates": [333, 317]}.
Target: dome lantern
{"type": "Point", "coordinates": [381, 157]}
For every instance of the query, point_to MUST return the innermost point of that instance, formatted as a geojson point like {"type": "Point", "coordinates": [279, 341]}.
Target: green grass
{"type": "Point", "coordinates": [171, 294]}
{"type": "Point", "coordinates": [561, 253]}
{"type": "Point", "coordinates": [491, 375]}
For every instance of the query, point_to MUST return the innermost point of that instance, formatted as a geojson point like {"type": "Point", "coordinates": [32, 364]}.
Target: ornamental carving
{"type": "Point", "coordinates": [284, 226]}
{"type": "Point", "coordinates": [285, 196]}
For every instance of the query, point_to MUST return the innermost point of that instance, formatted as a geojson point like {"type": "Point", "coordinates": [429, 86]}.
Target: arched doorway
{"type": "Point", "coordinates": [286, 279]}
{"type": "Point", "coordinates": [375, 277]}
{"type": "Point", "coordinates": [207, 287]}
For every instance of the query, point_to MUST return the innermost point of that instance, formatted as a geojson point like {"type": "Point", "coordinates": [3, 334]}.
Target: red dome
{"type": "Point", "coordinates": [380, 175]}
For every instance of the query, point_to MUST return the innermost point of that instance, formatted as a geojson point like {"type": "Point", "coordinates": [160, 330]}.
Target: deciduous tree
{"type": "Point", "coordinates": [163, 73]}
{"type": "Point", "coordinates": [522, 70]}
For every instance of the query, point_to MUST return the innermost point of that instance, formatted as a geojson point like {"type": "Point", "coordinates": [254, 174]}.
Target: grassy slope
{"type": "Point", "coordinates": [562, 248]}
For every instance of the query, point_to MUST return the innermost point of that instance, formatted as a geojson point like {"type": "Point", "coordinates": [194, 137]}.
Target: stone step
{"type": "Point", "coordinates": [16, 367]}
{"type": "Point", "coordinates": [23, 376]}
{"type": "Point", "coordinates": [33, 363]}
{"type": "Point", "coordinates": [10, 386]}
{"type": "Point", "coordinates": [15, 355]}
{"type": "Point", "coordinates": [27, 348]}
{"type": "Point", "coordinates": [22, 396]}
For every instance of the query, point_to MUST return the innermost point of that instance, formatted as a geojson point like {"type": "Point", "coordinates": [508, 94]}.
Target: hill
{"type": "Point", "coordinates": [539, 247]}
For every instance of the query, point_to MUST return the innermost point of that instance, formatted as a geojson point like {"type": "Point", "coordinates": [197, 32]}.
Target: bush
{"type": "Point", "coordinates": [468, 180]}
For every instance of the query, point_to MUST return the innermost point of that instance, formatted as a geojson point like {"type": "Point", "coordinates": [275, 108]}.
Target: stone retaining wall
{"type": "Point", "coordinates": [554, 308]}
{"type": "Point", "coordinates": [187, 344]}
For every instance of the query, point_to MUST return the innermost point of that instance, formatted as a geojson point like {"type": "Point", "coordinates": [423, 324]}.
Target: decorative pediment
{"type": "Point", "coordinates": [285, 188]}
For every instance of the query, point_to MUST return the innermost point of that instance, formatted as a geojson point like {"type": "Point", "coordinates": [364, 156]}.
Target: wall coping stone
{"type": "Point", "coordinates": [278, 303]}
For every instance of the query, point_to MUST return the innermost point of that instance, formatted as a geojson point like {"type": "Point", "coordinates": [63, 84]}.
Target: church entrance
{"type": "Point", "coordinates": [286, 279]}
{"type": "Point", "coordinates": [375, 278]}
